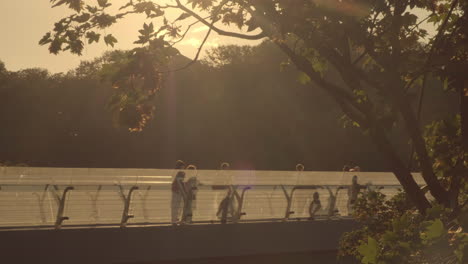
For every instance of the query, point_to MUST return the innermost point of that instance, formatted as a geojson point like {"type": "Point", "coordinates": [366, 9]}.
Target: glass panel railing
{"type": "Point", "coordinates": [57, 197]}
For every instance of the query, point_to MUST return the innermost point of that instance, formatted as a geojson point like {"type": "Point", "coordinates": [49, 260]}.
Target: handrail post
{"type": "Point", "coordinates": [61, 205]}
{"type": "Point", "coordinates": [127, 201]}
{"type": "Point", "coordinates": [332, 201]}
{"type": "Point", "coordinates": [289, 202]}
{"type": "Point", "coordinates": [40, 201]}
{"type": "Point", "coordinates": [240, 203]}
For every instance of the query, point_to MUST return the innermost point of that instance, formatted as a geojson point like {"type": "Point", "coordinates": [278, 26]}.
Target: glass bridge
{"type": "Point", "coordinates": [87, 198]}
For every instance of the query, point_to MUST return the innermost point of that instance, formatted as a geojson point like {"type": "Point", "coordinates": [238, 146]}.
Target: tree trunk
{"type": "Point", "coordinates": [412, 126]}
{"type": "Point", "coordinates": [464, 114]}
{"type": "Point", "coordinates": [401, 172]}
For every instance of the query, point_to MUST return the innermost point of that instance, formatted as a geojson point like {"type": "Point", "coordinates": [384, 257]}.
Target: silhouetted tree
{"type": "Point", "coordinates": [375, 46]}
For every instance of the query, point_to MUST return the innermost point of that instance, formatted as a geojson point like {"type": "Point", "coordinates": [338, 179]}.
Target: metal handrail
{"type": "Point", "coordinates": [61, 197]}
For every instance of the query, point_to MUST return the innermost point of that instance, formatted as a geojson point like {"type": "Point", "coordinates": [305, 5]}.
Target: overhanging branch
{"type": "Point", "coordinates": [218, 30]}
{"type": "Point", "coordinates": [343, 98]}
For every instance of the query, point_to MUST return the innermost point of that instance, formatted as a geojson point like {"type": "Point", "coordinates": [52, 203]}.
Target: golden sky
{"type": "Point", "coordinates": [24, 22]}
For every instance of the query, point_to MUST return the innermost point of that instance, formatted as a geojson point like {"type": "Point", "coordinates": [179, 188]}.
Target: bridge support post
{"type": "Point", "coordinates": [127, 201]}
{"type": "Point", "coordinates": [288, 197]}
{"type": "Point", "coordinates": [240, 203]}
{"type": "Point", "coordinates": [40, 201]}
{"type": "Point", "coordinates": [61, 205]}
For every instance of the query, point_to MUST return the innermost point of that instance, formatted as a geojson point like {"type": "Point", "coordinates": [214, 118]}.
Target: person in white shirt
{"type": "Point", "coordinates": [178, 192]}
{"type": "Point", "coordinates": [315, 205]}
{"type": "Point", "coordinates": [191, 188]}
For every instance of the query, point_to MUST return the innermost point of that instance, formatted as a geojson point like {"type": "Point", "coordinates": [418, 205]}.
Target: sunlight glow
{"type": "Point", "coordinates": [200, 29]}
{"type": "Point", "coordinates": [195, 42]}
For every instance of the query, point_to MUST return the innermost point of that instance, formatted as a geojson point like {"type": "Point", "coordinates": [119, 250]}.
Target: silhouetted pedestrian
{"type": "Point", "coordinates": [353, 192]}
{"type": "Point", "coordinates": [177, 192]}
{"type": "Point", "coordinates": [191, 188]}
{"type": "Point", "coordinates": [226, 208]}
{"type": "Point", "coordinates": [315, 205]}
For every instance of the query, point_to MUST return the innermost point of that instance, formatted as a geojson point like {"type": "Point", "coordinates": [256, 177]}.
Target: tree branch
{"type": "Point", "coordinates": [439, 34]}
{"type": "Point", "coordinates": [218, 30]}
{"type": "Point", "coordinates": [364, 118]}
{"type": "Point", "coordinates": [210, 28]}
{"type": "Point", "coordinates": [195, 59]}
{"type": "Point", "coordinates": [186, 31]}
{"type": "Point", "coordinates": [343, 98]}
{"type": "Point", "coordinates": [374, 19]}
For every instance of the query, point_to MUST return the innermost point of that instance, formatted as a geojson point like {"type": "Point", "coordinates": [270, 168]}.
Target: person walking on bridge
{"type": "Point", "coordinates": [178, 192]}
{"type": "Point", "coordinates": [226, 208]}
{"type": "Point", "coordinates": [353, 192]}
{"type": "Point", "coordinates": [191, 188]}
{"type": "Point", "coordinates": [315, 205]}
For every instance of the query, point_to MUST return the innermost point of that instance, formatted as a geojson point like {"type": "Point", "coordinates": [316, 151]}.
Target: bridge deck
{"type": "Point", "coordinates": [32, 197]}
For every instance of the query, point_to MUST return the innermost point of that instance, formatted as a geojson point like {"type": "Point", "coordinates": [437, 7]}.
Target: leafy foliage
{"type": "Point", "coordinates": [3, 74]}
{"type": "Point", "coordinates": [392, 232]}
{"type": "Point", "coordinates": [446, 149]}
{"type": "Point", "coordinates": [401, 233]}
{"type": "Point", "coordinates": [229, 55]}
{"type": "Point", "coordinates": [368, 251]}
{"type": "Point", "coordinates": [136, 77]}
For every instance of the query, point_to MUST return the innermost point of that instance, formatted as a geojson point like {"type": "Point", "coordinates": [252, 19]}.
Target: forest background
{"type": "Point", "coordinates": [240, 104]}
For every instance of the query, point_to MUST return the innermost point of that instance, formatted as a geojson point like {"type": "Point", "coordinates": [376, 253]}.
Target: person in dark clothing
{"type": "Point", "coordinates": [315, 205]}
{"type": "Point", "coordinates": [353, 192]}
{"type": "Point", "coordinates": [226, 207]}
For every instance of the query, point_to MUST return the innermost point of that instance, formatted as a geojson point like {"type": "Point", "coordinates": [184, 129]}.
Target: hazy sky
{"type": "Point", "coordinates": [24, 22]}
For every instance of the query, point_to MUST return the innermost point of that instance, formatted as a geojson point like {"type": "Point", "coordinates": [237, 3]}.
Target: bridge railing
{"type": "Point", "coordinates": [55, 198]}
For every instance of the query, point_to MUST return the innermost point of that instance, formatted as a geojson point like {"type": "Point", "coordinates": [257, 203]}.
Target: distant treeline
{"type": "Point", "coordinates": [238, 106]}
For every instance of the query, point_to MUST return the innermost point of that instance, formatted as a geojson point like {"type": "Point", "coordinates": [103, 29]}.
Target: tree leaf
{"type": "Point", "coordinates": [45, 39]}
{"type": "Point", "coordinates": [92, 37]}
{"type": "Point", "coordinates": [183, 16]}
{"type": "Point", "coordinates": [72, 4]}
{"type": "Point", "coordinates": [83, 18]}
{"type": "Point", "coordinates": [102, 3]}
{"type": "Point", "coordinates": [110, 40]}
{"type": "Point", "coordinates": [446, 84]}
{"type": "Point", "coordinates": [368, 251]}
{"type": "Point", "coordinates": [434, 230]}
{"type": "Point", "coordinates": [303, 78]}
